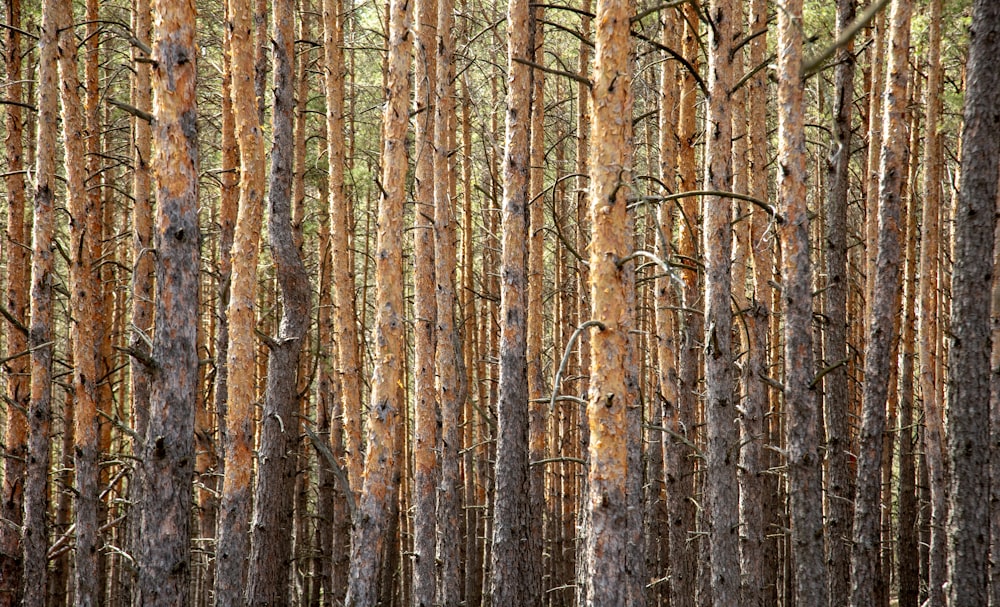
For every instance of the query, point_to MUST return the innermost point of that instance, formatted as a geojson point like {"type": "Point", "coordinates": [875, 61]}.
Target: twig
{"type": "Point", "coordinates": [565, 358]}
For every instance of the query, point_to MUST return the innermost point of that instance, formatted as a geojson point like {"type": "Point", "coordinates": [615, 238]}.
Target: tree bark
{"type": "Point", "coordinates": [515, 570]}
{"type": "Point", "coordinates": [805, 481]}
{"type": "Point", "coordinates": [85, 229]}
{"type": "Point", "coordinates": [909, 578]}
{"type": "Point", "coordinates": [142, 269]}
{"type": "Point", "coordinates": [16, 369]}
{"type": "Point", "coordinates": [721, 490]}
{"type": "Point", "coordinates": [536, 273]}
{"type": "Point", "coordinates": [606, 543]}
{"type": "Point", "coordinates": [968, 369]}
{"type": "Point", "coordinates": [451, 387]}
{"type": "Point", "coordinates": [345, 406]}
{"type": "Point", "coordinates": [934, 435]}
{"type": "Point", "coordinates": [168, 454]}
{"type": "Point", "coordinates": [425, 407]}
{"type": "Point", "coordinates": [371, 538]}
{"type": "Point", "coordinates": [866, 578]}
{"type": "Point", "coordinates": [271, 548]}
{"type": "Point", "coordinates": [234, 508]}
{"type": "Point", "coordinates": [36, 496]}
{"type": "Point", "coordinates": [341, 219]}
{"type": "Point", "coordinates": [836, 398]}
{"type": "Point", "coordinates": [680, 468]}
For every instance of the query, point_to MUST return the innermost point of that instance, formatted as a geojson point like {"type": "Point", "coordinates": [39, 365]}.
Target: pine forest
{"type": "Point", "coordinates": [466, 303]}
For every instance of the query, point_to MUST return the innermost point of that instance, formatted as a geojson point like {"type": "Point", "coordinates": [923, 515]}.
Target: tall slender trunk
{"type": "Point", "coordinates": [425, 407]}
{"type": "Point", "coordinates": [372, 539]}
{"type": "Point", "coordinates": [536, 270]}
{"type": "Point", "coordinates": [168, 454]}
{"type": "Point", "coordinates": [969, 365]}
{"type": "Point", "coordinates": [451, 387]}
{"type": "Point", "coordinates": [16, 369]}
{"type": "Point", "coordinates": [142, 268]}
{"type": "Point", "coordinates": [85, 230]}
{"type": "Point", "coordinates": [234, 508]}
{"type": "Point", "coordinates": [680, 477]}
{"type": "Point", "coordinates": [341, 220]}
{"type": "Point", "coordinates": [866, 579]}
{"type": "Point", "coordinates": [668, 294]}
{"type": "Point", "coordinates": [36, 494]}
{"type": "Point", "coordinates": [721, 490]}
{"type": "Point", "coordinates": [934, 435]}
{"type": "Point", "coordinates": [836, 398]}
{"type": "Point", "coordinates": [805, 481]}
{"type": "Point", "coordinates": [909, 578]}
{"type": "Point", "coordinates": [606, 544]}
{"type": "Point", "coordinates": [515, 568]}
{"type": "Point", "coordinates": [271, 526]}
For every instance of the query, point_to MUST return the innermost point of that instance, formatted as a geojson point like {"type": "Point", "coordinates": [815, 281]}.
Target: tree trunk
{"type": "Point", "coordinates": [345, 406]}
{"type": "Point", "coordinates": [721, 490]}
{"type": "Point", "coordinates": [805, 481]}
{"type": "Point", "coordinates": [680, 465]}
{"type": "Point", "coordinates": [451, 388]}
{"type": "Point", "coordinates": [969, 365]}
{"type": "Point", "coordinates": [371, 540]}
{"type": "Point", "coordinates": [425, 407]}
{"type": "Point", "coordinates": [909, 578]}
{"type": "Point", "coordinates": [142, 271]}
{"type": "Point", "coordinates": [234, 508]}
{"type": "Point", "coordinates": [515, 568]}
{"type": "Point", "coordinates": [606, 544]}
{"type": "Point", "coordinates": [866, 579]}
{"type": "Point", "coordinates": [271, 548]}
{"type": "Point", "coordinates": [85, 230]}
{"type": "Point", "coordinates": [836, 398]}
{"type": "Point", "coordinates": [168, 454]}
{"type": "Point", "coordinates": [536, 272]}
{"type": "Point", "coordinates": [36, 496]}
{"type": "Point", "coordinates": [16, 369]}
{"type": "Point", "coordinates": [668, 294]}
{"type": "Point", "coordinates": [934, 435]}
{"type": "Point", "coordinates": [341, 220]}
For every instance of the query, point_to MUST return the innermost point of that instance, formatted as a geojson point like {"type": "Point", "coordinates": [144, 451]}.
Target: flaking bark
{"type": "Point", "coordinates": [968, 368]}
{"type": "Point", "coordinates": [168, 453]}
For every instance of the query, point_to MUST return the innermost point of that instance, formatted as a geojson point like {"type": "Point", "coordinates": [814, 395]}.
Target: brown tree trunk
{"type": "Point", "coordinates": [606, 542]}
{"type": "Point", "coordinates": [16, 367]}
{"type": "Point", "coordinates": [805, 481]}
{"type": "Point", "coordinates": [680, 467]}
{"type": "Point", "coordinates": [168, 454]}
{"type": "Point", "coordinates": [271, 549]}
{"type": "Point", "coordinates": [36, 494]}
{"type": "Point", "coordinates": [969, 365]}
{"type": "Point", "coordinates": [143, 270]}
{"type": "Point", "coordinates": [721, 490]}
{"type": "Point", "coordinates": [451, 387]}
{"type": "Point", "coordinates": [371, 539]}
{"type": "Point", "coordinates": [836, 398]}
{"type": "Point", "coordinates": [536, 272]}
{"type": "Point", "coordinates": [345, 406]}
{"type": "Point", "coordinates": [234, 507]}
{"type": "Point", "coordinates": [341, 219]}
{"type": "Point", "coordinates": [425, 407]}
{"type": "Point", "coordinates": [909, 578]}
{"type": "Point", "coordinates": [85, 230]}
{"type": "Point", "coordinates": [866, 579]}
{"type": "Point", "coordinates": [934, 435]}
{"type": "Point", "coordinates": [515, 568]}
{"type": "Point", "coordinates": [668, 294]}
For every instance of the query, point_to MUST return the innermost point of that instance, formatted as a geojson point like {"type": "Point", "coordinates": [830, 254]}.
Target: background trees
{"type": "Point", "coordinates": [562, 302]}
